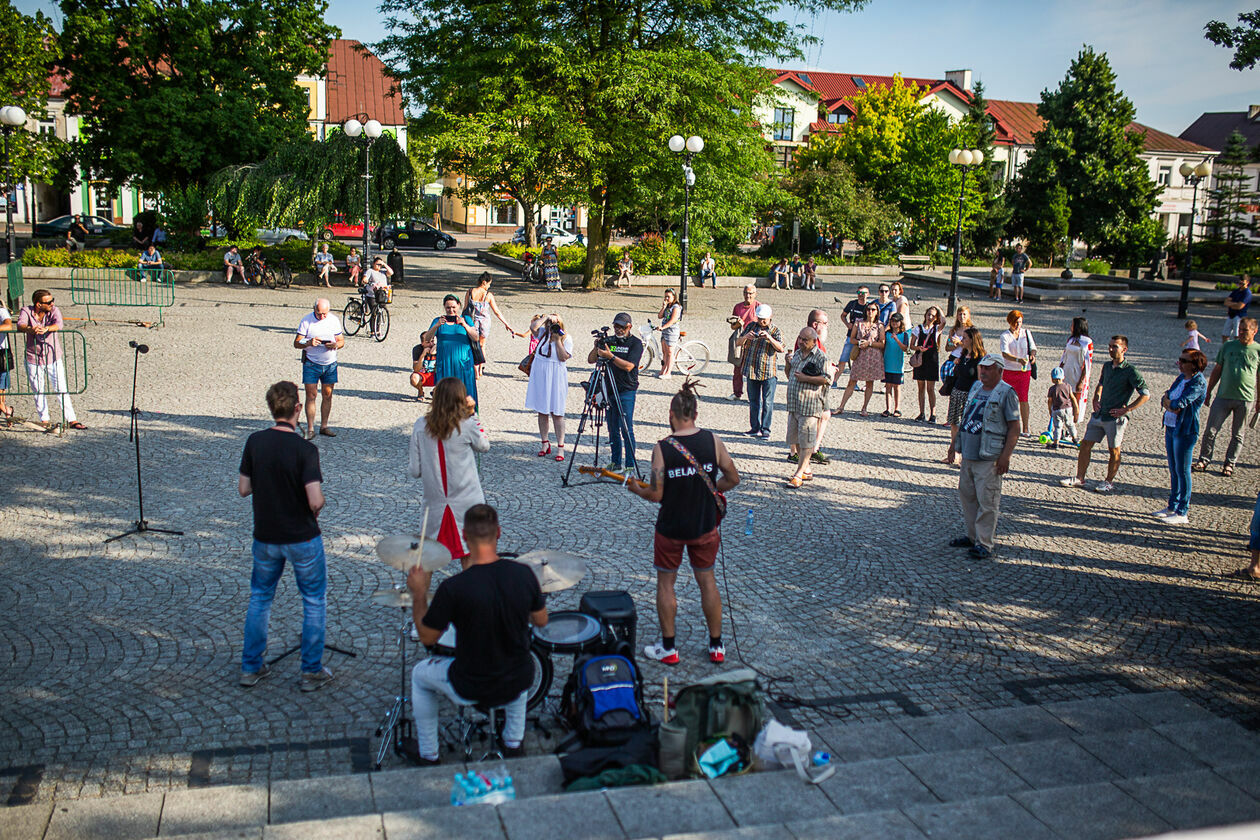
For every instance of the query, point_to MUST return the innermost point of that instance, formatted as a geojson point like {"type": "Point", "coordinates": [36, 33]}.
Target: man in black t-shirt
{"type": "Point", "coordinates": [280, 471]}
{"type": "Point", "coordinates": [688, 519]}
{"type": "Point", "coordinates": [622, 351]}
{"type": "Point", "coordinates": [492, 603]}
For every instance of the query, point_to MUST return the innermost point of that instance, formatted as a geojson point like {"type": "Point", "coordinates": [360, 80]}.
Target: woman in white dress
{"type": "Point", "coordinates": [441, 454]}
{"type": "Point", "coordinates": [549, 379]}
{"type": "Point", "coordinates": [1077, 359]}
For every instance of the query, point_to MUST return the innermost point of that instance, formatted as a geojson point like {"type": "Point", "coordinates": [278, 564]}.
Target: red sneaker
{"type": "Point", "coordinates": [717, 654]}
{"type": "Point", "coordinates": [662, 654]}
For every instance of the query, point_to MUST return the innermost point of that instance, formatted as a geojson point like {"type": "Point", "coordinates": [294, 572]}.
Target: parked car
{"type": "Point", "coordinates": [341, 228]}
{"type": "Point", "coordinates": [274, 236]}
{"type": "Point", "coordinates": [98, 227]}
{"type": "Point", "coordinates": [559, 237]}
{"type": "Point", "coordinates": [412, 233]}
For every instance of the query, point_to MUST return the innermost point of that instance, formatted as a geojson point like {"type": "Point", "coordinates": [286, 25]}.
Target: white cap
{"type": "Point", "coordinates": [991, 359]}
{"type": "Point", "coordinates": [763, 310]}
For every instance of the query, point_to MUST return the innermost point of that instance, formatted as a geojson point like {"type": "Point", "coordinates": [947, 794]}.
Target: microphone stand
{"type": "Point", "coordinates": [140, 526]}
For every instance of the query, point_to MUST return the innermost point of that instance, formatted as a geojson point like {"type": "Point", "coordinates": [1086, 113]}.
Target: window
{"type": "Point", "coordinates": [783, 156]}
{"type": "Point", "coordinates": [1164, 178]}
{"type": "Point", "coordinates": [837, 118]}
{"type": "Point", "coordinates": [47, 127]}
{"type": "Point", "coordinates": [784, 119]}
{"type": "Point", "coordinates": [505, 213]}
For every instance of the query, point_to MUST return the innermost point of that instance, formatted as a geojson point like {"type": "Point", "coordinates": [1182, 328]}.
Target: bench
{"type": "Point", "coordinates": [913, 263]}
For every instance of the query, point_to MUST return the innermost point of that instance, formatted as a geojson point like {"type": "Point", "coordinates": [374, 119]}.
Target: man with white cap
{"type": "Point", "coordinates": [987, 435]}
{"type": "Point", "coordinates": [761, 343]}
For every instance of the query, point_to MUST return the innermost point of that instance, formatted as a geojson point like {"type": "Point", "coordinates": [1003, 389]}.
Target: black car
{"type": "Point", "coordinates": [412, 233]}
{"type": "Point", "coordinates": [98, 228]}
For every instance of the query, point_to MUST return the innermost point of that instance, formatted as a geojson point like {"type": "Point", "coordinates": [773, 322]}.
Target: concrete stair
{"type": "Point", "coordinates": [1128, 766]}
{"type": "Point", "coordinates": [1110, 292]}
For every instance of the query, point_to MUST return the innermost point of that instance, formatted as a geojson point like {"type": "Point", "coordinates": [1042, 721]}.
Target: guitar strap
{"type": "Point", "coordinates": [708, 482]}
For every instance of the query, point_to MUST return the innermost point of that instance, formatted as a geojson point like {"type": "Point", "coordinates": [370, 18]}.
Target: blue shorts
{"type": "Point", "coordinates": [848, 349]}
{"type": "Point", "coordinates": [894, 378]}
{"type": "Point", "coordinates": [313, 374]}
{"type": "Point", "coordinates": [4, 380]}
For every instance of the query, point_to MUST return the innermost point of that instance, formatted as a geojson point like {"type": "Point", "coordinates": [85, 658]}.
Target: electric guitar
{"type": "Point", "coordinates": [618, 477]}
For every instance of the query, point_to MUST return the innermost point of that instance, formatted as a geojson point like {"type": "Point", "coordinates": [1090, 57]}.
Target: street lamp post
{"type": "Point", "coordinates": [966, 158]}
{"type": "Point", "coordinates": [692, 145]}
{"type": "Point", "coordinates": [11, 117]}
{"type": "Point", "coordinates": [1193, 175]}
{"type": "Point", "coordinates": [370, 131]}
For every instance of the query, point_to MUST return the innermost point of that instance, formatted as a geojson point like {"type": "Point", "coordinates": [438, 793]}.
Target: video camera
{"type": "Point", "coordinates": [601, 337]}
{"type": "Point", "coordinates": [813, 367]}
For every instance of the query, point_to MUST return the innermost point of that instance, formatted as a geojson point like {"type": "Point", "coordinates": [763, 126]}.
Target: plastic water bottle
{"type": "Point", "coordinates": [748, 524]}
{"type": "Point", "coordinates": [821, 759]}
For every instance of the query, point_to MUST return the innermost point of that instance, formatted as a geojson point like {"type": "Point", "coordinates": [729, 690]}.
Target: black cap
{"type": "Point", "coordinates": [622, 319]}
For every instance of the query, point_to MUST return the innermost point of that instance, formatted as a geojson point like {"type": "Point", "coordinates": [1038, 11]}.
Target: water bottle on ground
{"type": "Point", "coordinates": [748, 524]}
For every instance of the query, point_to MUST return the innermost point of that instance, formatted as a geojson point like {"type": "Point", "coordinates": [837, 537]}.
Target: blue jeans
{"type": "Point", "coordinates": [1254, 543]}
{"type": "Point", "coordinates": [761, 403]}
{"type": "Point", "coordinates": [311, 575]}
{"type": "Point", "coordinates": [1180, 449]}
{"type": "Point", "coordinates": [616, 437]}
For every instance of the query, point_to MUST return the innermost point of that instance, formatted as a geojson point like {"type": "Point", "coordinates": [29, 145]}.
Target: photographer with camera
{"type": "Point", "coordinates": [454, 336]}
{"type": "Point", "coordinates": [549, 379]}
{"type": "Point", "coordinates": [622, 351]}
{"type": "Point", "coordinates": [808, 376]}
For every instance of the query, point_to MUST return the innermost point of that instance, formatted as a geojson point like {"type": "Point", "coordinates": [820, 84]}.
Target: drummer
{"type": "Point", "coordinates": [491, 604]}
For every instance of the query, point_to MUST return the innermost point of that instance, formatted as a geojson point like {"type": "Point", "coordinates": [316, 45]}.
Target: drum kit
{"type": "Point", "coordinates": [567, 632]}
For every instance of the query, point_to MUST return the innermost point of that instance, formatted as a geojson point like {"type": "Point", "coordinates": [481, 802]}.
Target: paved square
{"type": "Point", "coordinates": [119, 660]}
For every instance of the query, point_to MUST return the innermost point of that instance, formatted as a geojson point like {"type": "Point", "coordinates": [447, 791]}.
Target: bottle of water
{"type": "Point", "coordinates": [821, 759]}
{"type": "Point", "coordinates": [748, 524]}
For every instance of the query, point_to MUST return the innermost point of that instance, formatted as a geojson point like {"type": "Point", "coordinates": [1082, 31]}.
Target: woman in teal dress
{"type": "Point", "coordinates": [454, 349]}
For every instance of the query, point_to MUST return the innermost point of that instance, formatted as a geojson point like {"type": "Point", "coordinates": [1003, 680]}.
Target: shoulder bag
{"type": "Point", "coordinates": [916, 358]}
{"type": "Point", "coordinates": [718, 496]}
{"type": "Point", "coordinates": [1032, 348]}
{"type": "Point", "coordinates": [478, 355]}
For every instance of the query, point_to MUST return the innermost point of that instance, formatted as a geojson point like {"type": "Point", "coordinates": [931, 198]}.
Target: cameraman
{"type": "Point", "coordinates": [622, 351]}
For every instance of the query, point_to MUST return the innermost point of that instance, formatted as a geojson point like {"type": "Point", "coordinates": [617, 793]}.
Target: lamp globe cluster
{"type": "Point", "coordinates": [1203, 170]}
{"type": "Point", "coordinates": [371, 128]}
{"type": "Point", "coordinates": [12, 115]}
{"type": "Point", "coordinates": [966, 157]}
{"type": "Point", "coordinates": [692, 144]}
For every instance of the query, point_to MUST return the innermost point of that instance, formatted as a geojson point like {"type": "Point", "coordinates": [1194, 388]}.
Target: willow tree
{"type": "Point", "coordinates": [614, 80]}
{"type": "Point", "coordinates": [308, 182]}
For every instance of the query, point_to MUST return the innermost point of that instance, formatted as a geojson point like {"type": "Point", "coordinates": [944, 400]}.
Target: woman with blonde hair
{"type": "Point", "coordinates": [442, 455]}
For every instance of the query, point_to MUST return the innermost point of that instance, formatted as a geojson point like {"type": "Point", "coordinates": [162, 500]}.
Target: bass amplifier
{"type": "Point", "coordinates": [616, 614]}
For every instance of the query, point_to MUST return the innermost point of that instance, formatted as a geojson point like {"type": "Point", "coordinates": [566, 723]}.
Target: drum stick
{"type": "Point", "coordinates": [665, 688]}
{"type": "Point", "coordinates": [424, 520]}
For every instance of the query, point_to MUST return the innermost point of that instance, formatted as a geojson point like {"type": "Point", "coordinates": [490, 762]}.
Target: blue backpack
{"type": "Point", "coordinates": [603, 700]}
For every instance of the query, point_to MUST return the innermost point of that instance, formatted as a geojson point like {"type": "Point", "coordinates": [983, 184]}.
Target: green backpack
{"type": "Point", "coordinates": [724, 704]}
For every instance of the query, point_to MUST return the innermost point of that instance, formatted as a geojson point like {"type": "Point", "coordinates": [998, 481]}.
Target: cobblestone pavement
{"type": "Point", "coordinates": [119, 661]}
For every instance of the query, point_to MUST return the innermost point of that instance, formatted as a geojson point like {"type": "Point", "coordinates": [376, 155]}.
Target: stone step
{"type": "Point", "coordinates": [1127, 766]}
{"type": "Point", "coordinates": [1033, 293]}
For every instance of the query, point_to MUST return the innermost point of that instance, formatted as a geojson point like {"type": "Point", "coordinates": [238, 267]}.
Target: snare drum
{"type": "Point", "coordinates": [569, 631]}
{"type": "Point", "coordinates": [445, 644]}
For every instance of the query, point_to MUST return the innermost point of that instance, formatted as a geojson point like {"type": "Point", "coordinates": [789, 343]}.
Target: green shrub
{"type": "Point", "coordinates": [91, 258]}
{"type": "Point", "coordinates": [1093, 267]}
{"type": "Point", "coordinates": [296, 254]}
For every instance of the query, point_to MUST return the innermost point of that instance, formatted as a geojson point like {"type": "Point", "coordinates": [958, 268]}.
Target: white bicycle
{"type": "Point", "coordinates": [690, 357]}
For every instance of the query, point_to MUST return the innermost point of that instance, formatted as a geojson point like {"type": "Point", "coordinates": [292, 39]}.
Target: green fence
{"type": "Point", "coordinates": [122, 287]}
{"type": "Point", "coordinates": [44, 369]}
{"type": "Point", "coordinates": [15, 285]}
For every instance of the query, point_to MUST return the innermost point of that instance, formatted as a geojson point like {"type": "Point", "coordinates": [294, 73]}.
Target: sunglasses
{"type": "Point", "coordinates": [47, 302]}
{"type": "Point", "coordinates": [872, 309]}
{"type": "Point", "coordinates": [1185, 361]}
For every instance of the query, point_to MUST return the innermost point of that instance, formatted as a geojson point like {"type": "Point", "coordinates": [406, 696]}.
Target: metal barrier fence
{"type": "Point", "coordinates": [122, 287]}
{"type": "Point", "coordinates": [49, 374]}
{"type": "Point", "coordinates": [15, 285]}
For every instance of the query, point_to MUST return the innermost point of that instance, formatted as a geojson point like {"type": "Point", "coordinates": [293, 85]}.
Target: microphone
{"type": "Point", "coordinates": [140, 348]}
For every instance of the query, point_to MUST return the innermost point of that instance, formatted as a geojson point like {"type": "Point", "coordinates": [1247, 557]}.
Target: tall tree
{"type": "Point", "coordinates": [1085, 146]}
{"type": "Point", "coordinates": [994, 214]}
{"type": "Point", "coordinates": [30, 46]}
{"type": "Point", "coordinates": [1226, 218]}
{"type": "Point", "coordinates": [830, 198]}
{"type": "Point", "coordinates": [624, 77]}
{"type": "Point", "coordinates": [173, 91]}
{"type": "Point", "coordinates": [1243, 40]}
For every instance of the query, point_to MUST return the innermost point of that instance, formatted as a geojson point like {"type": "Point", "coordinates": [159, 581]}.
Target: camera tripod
{"type": "Point", "coordinates": [601, 392]}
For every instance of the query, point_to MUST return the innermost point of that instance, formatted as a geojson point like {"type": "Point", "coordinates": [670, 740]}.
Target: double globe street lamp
{"type": "Point", "coordinates": [967, 159]}
{"type": "Point", "coordinates": [370, 131]}
{"type": "Point", "coordinates": [1193, 175]}
{"type": "Point", "coordinates": [11, 117]}
{"type": "Point", "coordinates": [692, 145]}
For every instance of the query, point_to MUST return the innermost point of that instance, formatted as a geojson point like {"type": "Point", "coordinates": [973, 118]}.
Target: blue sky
{"type": "Point", "coordinates": [1017, 48]}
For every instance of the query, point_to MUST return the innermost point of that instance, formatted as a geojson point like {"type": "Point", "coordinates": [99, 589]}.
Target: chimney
{"type": "Point", "coordinates": [960, 79]}
{"type": "Point", "coordinates": [1253, 112]}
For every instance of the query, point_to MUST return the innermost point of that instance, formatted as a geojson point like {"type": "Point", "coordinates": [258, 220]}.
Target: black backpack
{"type": "Point", "coordinates": [603, 701]}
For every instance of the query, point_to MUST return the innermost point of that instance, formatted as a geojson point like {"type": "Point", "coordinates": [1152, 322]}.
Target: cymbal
{"type": "Point", "coordinates": [404, 552]}
{"type": "Point", "coordinates": [392, 597]}
{"type": "Point", "coordinates": [555, 570]}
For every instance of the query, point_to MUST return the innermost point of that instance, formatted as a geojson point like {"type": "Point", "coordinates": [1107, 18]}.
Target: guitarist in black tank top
{"type": "Point", "coordinates": [690, 469]}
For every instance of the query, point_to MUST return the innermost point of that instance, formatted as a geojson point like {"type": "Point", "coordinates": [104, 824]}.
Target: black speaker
{"type": "Point", "coordinates": [615, 611]}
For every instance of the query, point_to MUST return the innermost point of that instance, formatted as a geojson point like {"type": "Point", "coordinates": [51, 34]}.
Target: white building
{"type": "Point", "coordinates": [1214, 129]}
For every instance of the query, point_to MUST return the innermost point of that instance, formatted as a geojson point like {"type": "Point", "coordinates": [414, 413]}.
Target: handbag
{"type": "Point", "coordinates": [718, 496]}
{"type": "Point", "coordinates": [478, 355]}
{"type": "Point", "coordinates": [6, 358]}
{"type": "Point", "coordinates": [1032, 346]}
{"type": "Point", "coordinates": [526, 364]}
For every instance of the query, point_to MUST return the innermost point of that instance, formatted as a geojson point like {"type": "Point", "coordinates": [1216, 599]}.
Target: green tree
{"type": "Point", "coordinates": [173, 92]}
{"type": "Point", "coordinates": [1085, 146]}
{"type": "Point", "coordinates": [622, 79]}
{"type": "Point", "coordinates": [1041, 212]}
{"type": "Point", "coordinates": [1243, 40]}
{"type": "Point", "coordinates": [994, 214]}
{"type": "Point", "coordinates": [30, 46]}
{"type": "Point", "coordinates": [1226, 200]}
{"type": "Point", "coordinates": [306, 182]}
{"type": "Point", "coordinates": [830, 198]}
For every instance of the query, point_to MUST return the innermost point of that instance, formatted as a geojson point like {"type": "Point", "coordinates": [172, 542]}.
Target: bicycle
{"type": "Point", "coordinates": [690, 357]}
{"type": "Point", "coordinates": [354, 318]}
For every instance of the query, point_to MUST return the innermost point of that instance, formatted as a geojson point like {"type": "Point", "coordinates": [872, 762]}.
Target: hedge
{"type": "Point", "coordinates": [296, 254]}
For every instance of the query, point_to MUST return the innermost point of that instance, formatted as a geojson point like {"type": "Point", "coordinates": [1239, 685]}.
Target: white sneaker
{"type": "Point", "coordinates": [666, 656]}
{"type": "Point", "coordinates": [1072, 481]}
{"type": "Point", "coordinates": [1104, 487]}
{"type": "Point", "coordinates": [415, 633]}
{"type": "Point", "coordinates": [733, 397]}
{"type": "Point", "coordinates": [1176, 519]}
{"type": "Point", "coordinates": [1160, 514]}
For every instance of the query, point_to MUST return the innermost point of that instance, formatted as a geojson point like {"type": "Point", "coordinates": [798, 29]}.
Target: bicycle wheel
{"type": "Point", "coordinates": [268, 278]}
{"type": "Point", "coordinates": [352, 317]}
{"type": "Point", "coordinates": [645, 361]}
{"type": "Point", "coordinates": [285, 276]}
{"type": "Point", "coordinates": [380, 323]}
{"type": "Point", "coordinates": [692, 357]}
